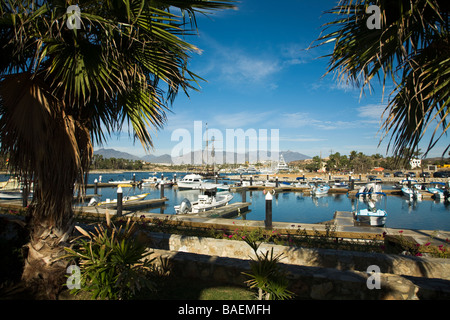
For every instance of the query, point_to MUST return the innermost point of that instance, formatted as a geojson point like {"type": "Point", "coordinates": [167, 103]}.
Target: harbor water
{"type": "Point", "coordinates": [295, 207]}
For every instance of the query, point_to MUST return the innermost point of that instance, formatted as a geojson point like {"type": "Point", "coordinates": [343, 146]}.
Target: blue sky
{"type": "Point", "coordinates": [259, 76]}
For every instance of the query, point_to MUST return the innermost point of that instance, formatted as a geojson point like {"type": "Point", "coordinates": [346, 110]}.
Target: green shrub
{"type": "Point", "coordinates": [267, 275]}
{"type": "Point", "coordinates": [113, 264]}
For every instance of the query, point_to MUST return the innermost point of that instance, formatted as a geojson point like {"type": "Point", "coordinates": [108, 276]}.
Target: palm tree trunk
{"type": "Point", "coordinates": [44, 271]}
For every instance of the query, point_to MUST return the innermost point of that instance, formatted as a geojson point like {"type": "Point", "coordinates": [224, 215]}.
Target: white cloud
{"type": "Point", "coordinates": [240, 67]}
{"type": "Point", "coordinates": [371, 111]}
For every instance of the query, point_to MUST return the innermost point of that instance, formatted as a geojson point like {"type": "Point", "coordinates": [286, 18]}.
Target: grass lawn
{"type": "Point", "coordinates": [175, 288]}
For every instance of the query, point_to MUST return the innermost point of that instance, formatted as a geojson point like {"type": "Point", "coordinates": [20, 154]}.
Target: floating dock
{"type": "Point", "coordinates": [137, 204]}
{"type": "Point", "coordinates": [228, 211]}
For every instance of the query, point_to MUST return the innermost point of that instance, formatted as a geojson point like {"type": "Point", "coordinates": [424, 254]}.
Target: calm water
{"type": "Point", "coordinates": [298, 208]}
{"type": "Point", "coordinates": [295, 207]}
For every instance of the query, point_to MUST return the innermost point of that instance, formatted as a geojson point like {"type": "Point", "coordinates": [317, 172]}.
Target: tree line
{"type": "Point", "coordinates": [359, 162]}
{"type": "Point", "coordinates": [99, 162]}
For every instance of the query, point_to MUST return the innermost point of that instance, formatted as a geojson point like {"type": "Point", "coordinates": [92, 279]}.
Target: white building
{"type": "Point", "coordinates": [415, 163]}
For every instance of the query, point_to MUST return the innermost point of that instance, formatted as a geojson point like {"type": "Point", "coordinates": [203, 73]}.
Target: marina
{"type": "Point", "coordinates": [290, 204]}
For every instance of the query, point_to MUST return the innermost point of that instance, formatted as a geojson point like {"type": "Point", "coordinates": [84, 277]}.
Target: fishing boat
{"type": "Point", "coordinates": [404, 182]}
{"type": "Point", "coordinates": [205, 202]}
{"type": "Point", "coordinates": [370, 190]}
{"type": "Point", "coordinates": [301, 182]}
{"type": "Point", "coordinates": [412, 193]}
{"type": "Point", "coordinates": [108, 202]}
{"type": "Point", "coordinates": [371, 215]}
{"type": "Point", "coordinates": [117, 182]}
{"type": "Point", "coordinates": [437, 189]}
{"type": "Point", "coordinates": [319, 189]}
{"type": "Point", "coordinates": [190, 181]}
{"type": "Point", "coordinates": [339, 183]}
{"type": "Point", "coordinates": [196, 182]}
{"type": "Point", "coordinates": [270, 184]}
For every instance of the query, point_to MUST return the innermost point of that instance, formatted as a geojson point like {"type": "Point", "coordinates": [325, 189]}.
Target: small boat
{"type": "Point", "coordinates": [338, 183]}
{"type": "Point", "coordinates": [196, 182]}
{"type": "Point", "coordinates": [117, 182]}
{"type": "Point", "coordinates": [270, 184]}
{"type": "Point", "coordinates": [404, 182]}
{"type": "Point", "coordinates": [371, 215]}
{"type": "Point", "coordinates": [370, 190]}
{"type": "Point", "coordinates": [205, 202]}
{"type": "Point", "coordinates": [301, 182]}
{"type": "Point", "coordinates": [246, 183]}
{"type": "Point", "coordinates": [438, 190]}
{"type": "Point", "coordinates": [94, 201]}
{"type": "Point", "coordinates": [319, 189]}
{"type": "Point", "coordinates": [13, 194]}
{"type": "Point", "coordinates": [412, 193]}
{"type": "Point", "coordinates": [376, 218]}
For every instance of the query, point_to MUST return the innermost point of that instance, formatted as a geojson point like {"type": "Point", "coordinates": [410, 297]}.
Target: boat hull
{"type": "Point", "coordinates": [375, 219]}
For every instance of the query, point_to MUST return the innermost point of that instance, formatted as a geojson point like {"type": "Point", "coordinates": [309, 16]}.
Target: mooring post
{"type": "Point", "coordinates": [251, 180]}
{"type": "Point", "coordinates": [95, 186]}
{"type": "Point", "coordinates": [119, 201]}
{"type": "Point", "coordinates": [25, 193]}
{"type": "Point", "coordinates": [244, 194]}
{"type": "Point", "coordinates": [276, 182]}
{"type": "Point", "coordinates": [161, 187]}
{"type": "Point", "coordinates": [268, 221]}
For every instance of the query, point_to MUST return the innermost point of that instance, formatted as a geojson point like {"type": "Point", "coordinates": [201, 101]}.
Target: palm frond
{"type": "Point", "coordinates": [410, 49]}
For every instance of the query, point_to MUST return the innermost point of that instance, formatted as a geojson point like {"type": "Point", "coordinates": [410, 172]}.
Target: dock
{"type": "Point", "coordinates": [228, 211]}
{"type": "Point", "coordinates": [138, 204]}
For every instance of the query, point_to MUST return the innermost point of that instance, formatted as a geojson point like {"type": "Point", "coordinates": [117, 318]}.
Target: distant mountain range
{"type": "Point", "coordinates": [196, 157]}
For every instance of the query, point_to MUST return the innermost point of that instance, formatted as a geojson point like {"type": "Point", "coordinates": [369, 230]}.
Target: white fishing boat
{"type": "Point", "coordinates": [412, 193]}
{"type": "Point", "coordinates": [301, 182]}
{"type": "Point", "coordinates": [404, 182]}
{"type": "Point", "coordinates": [205, 202]}
{"type": "Point", "coordinates": [246, 183]}
{"type": "Point", "coordinates": [270, 184]}
{"type": "Point", "coordinates": [370, 190]}
{"type": "Point", "coordinates": [117, 182]}
{"type": "Point", "coordinates": [339, 183]}
{"type": "Point", "coordinates": [437, 189]}
{"type": "Point", "coordinates": [196, 182]}
{"type": "Point", "coordinates": [371, 215]}
{"type": "Point", "coordinates": [319, 189]}
{"type": "Point", "coordinates": [190, 181]}
{"type": "Point", "coordinates": [108, 202]}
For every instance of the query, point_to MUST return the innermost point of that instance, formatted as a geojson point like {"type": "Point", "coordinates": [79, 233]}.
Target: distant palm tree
{"type": "Point", "coordinates": [63, 86]}
{"type": "Point", "coordinates": [411, 48]}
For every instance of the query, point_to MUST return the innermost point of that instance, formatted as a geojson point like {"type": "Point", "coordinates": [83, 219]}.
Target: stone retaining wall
{"type": "Point", "coordinates": [312, 257]}
{"type": "Point", "coordinates": [313, 273]}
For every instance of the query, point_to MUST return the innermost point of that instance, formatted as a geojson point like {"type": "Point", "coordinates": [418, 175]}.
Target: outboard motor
{"type": "Point", "coordinates": [185, 206]}
{"type": "Point", "coordinates": [93, 201]}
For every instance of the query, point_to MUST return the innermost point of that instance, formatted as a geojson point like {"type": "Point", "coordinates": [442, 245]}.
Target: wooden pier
{"type": "Point", "coordinates": [228, 211]}
{"type": "Point", "coordinates": [137, 204]}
